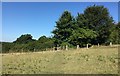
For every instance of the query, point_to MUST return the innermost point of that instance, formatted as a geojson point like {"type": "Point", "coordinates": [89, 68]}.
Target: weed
{"type": "Point", "coordinates": [101, 58]}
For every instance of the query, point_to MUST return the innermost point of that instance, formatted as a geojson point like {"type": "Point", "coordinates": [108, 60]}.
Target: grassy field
{"type": "Point", "coordinates": [96, 60]}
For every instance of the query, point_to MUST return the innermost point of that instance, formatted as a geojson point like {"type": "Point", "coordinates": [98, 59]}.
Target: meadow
{"type": "Point", "coordinates": [95, 60]}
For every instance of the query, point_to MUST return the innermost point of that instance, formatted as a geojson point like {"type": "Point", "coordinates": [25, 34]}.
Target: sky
{"type": "Point", "coordinates": [38, 18]}
{"type": "Point", "coordinates": [119, 11]}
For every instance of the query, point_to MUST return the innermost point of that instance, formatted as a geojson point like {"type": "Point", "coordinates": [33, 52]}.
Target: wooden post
{"type": "Point", "coordinates": [60, 48]}
{"type": "Point", "coordinates": [57, 47]}
{"type": "Point", "coordinates": [34, 50]}
{"type": "Point", "coordinates": [111, 44]}
{"type": "Point", "coordinates": [66, 47]}
{"type": "Point", "coordinates": [87, 46]}
{"type": "Point", "coordinates": [77, 46]}
{"type": "Point", "coordinates": [98, 44]}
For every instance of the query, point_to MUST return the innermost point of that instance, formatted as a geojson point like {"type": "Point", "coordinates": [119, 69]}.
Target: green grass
{"type": "Point", "coordinates": [96, 60]}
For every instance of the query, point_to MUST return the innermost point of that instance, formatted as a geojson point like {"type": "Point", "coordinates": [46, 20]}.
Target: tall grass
{"type": "Point", "coordinates": [96, 60]}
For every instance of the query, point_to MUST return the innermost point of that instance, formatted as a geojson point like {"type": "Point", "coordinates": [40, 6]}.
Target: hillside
{"type": "Point", "coordinates": [96, 60]}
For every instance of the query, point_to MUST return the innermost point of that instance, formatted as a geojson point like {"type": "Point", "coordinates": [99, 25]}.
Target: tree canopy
{"type": "Point", "coordinates": [92, 27]}
{"type": "Point", "coordinates": [23, 39]}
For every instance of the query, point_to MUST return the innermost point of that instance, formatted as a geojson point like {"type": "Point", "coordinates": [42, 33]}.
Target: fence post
{"type": "Point", "coordinates": [57, 47]}
{"type": "Point", "coordinates": [98, 44]}
{"type": "Point", "coordinates": [66, 47]}
{"type": "Point", "coordinates": [34, 49]}
{"type": "Point", "coordinates": [87, 46]}
{"type": "Point", "coordinates": [60, 48]}
{"type": "Point", "coordinates": [77, 46]}
{"type": "Point", "coordinates": [111, 44]}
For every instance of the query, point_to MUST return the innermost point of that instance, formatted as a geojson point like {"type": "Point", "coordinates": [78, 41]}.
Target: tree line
{"type": "Point", "coordinates": [93, 26]}
{"type": "Point", "coordinates": [25, 43]}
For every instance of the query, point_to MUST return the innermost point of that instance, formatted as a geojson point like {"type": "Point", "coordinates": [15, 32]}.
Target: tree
{"type": "Point", "coordinates": [63, 28]}
{"type": "Point", "coordinates": [115, 34]}
{"type": "Point", "coordinates": [6, 46]}
{"type": "Point", "coordinates": [73, 31]}
{"type": "Point", "coordinates": [82, 36]}
{"type": "Point", "coordinates": [82, 21]}
{"type": "Point", "coordinates": [43, 39]}
{"type": "Point", "coordinates": [118, 31]}
{"type": "Point", "coordinates": [23, 39]}
{"type": "Point", "coordinates": [0, 47]}
{"type": "Point", "coordinates": [99, 20]}
{"type": "Point", "coordinates": [44, 42]}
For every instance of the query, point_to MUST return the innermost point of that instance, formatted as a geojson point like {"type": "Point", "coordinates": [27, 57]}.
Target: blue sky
{"type": "Point", "coordinates": [38, 18]}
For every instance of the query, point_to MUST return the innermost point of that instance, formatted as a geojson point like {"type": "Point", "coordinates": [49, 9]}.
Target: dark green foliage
{"type": "Point", "coordinates": [32, 45]}
{"type": "Point", "coordinates": [118, 31]}
{"type": "Point", "coordinates": [18, 47]}
{"type": "Point", "coordinates": [81, 21]}
{"type": "Point", "coordinates": [63, 28]}
{"type": "Point", "coordinates": [82, 36]}
{"type": "Point", "coordinates": [115, 34]}
{"type": "Point", "coordinates": [44, 43]}
{"type": "Point", "coordinates": [0, 47]}
{"type": "Point", "coordinates": [99, 20]}
{"type": "Point", "coordinates": [91, 27]}
{"type": "Point", "coordinates": [23, 39]}
{"type": "Point", "coordinates": [6, 46]}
